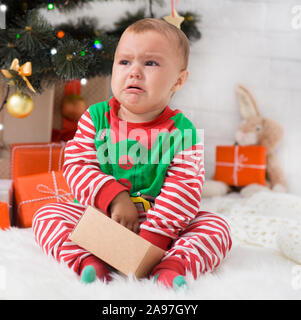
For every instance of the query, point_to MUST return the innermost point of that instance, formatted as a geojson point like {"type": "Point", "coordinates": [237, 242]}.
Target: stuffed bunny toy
{"type": "Point", "coordinates": [254, 130]}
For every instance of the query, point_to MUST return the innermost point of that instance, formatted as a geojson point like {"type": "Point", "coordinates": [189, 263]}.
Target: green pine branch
{"type": "Point", "coordinates": [85, 51]}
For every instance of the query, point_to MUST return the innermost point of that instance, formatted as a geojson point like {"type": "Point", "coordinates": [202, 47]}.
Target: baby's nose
{"type": "Point", "coordinates": [135, 73]}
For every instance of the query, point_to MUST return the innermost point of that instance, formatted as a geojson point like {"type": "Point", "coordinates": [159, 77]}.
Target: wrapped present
{"type": "Point", "coordinates": [4, 215]}
{"type": "Point", "coordinates": [35, 191]}
{"type": "Point", "coordinates": [34, 158]}
{"type": "Point", "coordinates": [240, 165]}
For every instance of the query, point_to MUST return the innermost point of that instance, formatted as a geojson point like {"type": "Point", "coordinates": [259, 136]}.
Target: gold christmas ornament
{"type": "Point", "coordinates": [19, 105]}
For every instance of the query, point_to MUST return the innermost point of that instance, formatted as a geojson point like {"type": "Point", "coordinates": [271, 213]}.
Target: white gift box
{"type": "Point", "coordinates": [6, 189]}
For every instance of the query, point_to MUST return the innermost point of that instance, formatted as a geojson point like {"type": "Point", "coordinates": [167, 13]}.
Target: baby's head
{"type": "Point", "coordinates": [150, 65]}
{"type": "Point", "coordinates": [176, 37]}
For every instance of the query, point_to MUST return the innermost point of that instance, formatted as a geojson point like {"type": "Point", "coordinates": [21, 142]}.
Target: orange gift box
{"type": "Point", "coordinates": [35, 191]}
{"type": "Point", "coordinates": [33, 158]}
{"type": "Point", "coordinates": [4, 216]}
{"type": "Point", "coordinates": [240, 165]}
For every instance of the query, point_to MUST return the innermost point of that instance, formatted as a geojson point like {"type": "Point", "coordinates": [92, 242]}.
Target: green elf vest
{"type": "Point", "coordinates": [138, 155]}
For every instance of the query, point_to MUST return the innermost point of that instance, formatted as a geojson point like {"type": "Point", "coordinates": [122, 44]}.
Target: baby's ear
{"type": "Point", "coordinates": [182, 78]}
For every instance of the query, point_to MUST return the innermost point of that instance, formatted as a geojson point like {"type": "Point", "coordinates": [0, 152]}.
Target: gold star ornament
{"type": "Point", "coordinates": [174, 19]}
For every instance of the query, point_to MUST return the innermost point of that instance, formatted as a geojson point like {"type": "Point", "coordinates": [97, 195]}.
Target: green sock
{"type": "Point", "coordinates": [179, 282]}
{"type": "Point", "coordinates": [88, 274]}
{"type": "Point", "coordinates": [168, 280]}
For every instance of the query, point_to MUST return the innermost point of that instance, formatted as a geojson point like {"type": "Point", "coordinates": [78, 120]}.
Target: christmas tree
{"type": "Point", "coordinates": [73, 50]}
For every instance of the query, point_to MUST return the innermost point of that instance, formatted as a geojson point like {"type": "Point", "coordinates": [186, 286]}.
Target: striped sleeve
{"type": "Point", "coordinates": [81, 169]}
{"type": "Point", "coordinates": [179, 199]}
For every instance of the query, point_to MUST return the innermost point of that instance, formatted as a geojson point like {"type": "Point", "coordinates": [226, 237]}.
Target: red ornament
{"type": "Point", "coordinates": [60, 34]}
{"type": "Point", "coordinates": [73, 107]}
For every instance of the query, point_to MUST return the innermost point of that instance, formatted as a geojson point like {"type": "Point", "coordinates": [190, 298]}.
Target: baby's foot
{"type": "Point", "coordinates": [170, 272]}
{"type": "Point", "coordinates": [170, 279]}
{"type": "Point", "coordinates": [92, 268]}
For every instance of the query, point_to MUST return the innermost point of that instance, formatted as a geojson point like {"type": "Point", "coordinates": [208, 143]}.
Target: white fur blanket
{"type": "Point", "coordinates": [256, 267]}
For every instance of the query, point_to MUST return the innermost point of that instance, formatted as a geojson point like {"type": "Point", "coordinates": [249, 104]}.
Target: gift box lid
{"type": "Point", "coordinates": [34, 158]}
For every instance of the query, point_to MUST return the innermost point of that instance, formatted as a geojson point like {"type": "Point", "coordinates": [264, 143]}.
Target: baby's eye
{"type": "Point", "coordinates": [124, 62]}
{"type": "Point", "coordinates": [151, 63]}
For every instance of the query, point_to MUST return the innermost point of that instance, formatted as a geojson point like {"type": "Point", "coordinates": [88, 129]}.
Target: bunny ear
{"type": "Point", "coordinates": [247, 104]}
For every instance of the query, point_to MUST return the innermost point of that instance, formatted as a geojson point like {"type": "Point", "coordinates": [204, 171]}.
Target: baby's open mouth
{"type": "Point", "coordinates": [134, 89]}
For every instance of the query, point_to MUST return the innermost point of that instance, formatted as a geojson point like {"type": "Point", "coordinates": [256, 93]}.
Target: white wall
{"type": "Point", "coordinates": [249, 42]}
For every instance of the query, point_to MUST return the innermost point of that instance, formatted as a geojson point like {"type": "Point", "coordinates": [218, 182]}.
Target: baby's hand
{"type": "Point", "coordinates": [124, 211]}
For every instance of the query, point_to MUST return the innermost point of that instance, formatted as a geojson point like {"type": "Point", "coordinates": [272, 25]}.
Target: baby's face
{"type": "Point", "coordinates": [145, 74]}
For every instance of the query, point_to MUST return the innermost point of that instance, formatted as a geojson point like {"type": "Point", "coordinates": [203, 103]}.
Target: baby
{"type": "Point", "coordinates": [141, 163]}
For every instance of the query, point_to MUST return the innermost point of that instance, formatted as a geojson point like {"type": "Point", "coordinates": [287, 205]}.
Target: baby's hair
{"type": "Point", "coordinates": [161, 26]}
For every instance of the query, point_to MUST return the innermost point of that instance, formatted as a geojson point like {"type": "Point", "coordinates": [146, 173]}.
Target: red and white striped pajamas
{"type": "Point", "coordinates": [199, 239]}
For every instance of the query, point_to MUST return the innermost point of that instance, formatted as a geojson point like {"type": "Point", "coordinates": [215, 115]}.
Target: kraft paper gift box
{"type": "Point", "coordinates": [240, 165]}
{"type": "Point", "coordinates": [118, 246]}
{"type": "Point", "coordinates": [35, 191]}
{"type": "Point", "coordinates": [34, 158]}
{"type": "Point", "coordinates": [4, 216]}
